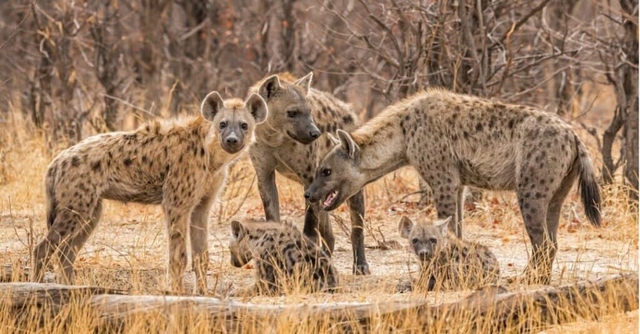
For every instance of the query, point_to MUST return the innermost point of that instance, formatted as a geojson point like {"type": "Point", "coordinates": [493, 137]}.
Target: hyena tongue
{"type": "Point", "coordinates": [329, 200]}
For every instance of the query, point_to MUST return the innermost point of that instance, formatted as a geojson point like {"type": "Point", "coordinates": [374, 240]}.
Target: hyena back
{"type": "Point", "coordinates": [292, 141]}
{"type": "Point", "coordinates": [179, 164]}
{"type": "Point", "coordinates": [447, 261]}
{"type": "Point", "coordinates": [285, 259]}
{"type": "Point", "coordinates": [456, 140]}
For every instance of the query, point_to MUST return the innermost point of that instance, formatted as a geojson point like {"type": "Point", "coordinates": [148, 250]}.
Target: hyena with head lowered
{"type": "Point", "coordinates": [285, 259]}
{"type": "Point", "coordinates": [456, 140]}
{"type": "Point", "coordinates": [447, 261]}
{"type": "Point", "coordinates": [292, 141]}
{"type": "Point", "coordinates": [179, 164]}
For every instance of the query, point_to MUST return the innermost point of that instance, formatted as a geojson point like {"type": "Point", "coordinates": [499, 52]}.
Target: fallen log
{"type": "Point", "coordinates": [488, 310]}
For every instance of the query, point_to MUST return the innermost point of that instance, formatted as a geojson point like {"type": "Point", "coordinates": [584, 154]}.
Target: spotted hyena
{"type": "Point", "coordinates": [179, 164]}
{"type": "Point", "coordinates": [456, 140]}
{"type": "Point", "coordinates": [448, 261]}
{"type": "Point", "coordinates": [292, 141]}
{"type": "Point", "coordinates": [285, 259]}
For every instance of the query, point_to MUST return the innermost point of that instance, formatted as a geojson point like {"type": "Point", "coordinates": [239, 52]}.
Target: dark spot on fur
{"type": "Point", "coordinates": [75, 161]}
{"type": "Point", "coordinates": [347, 119]}
{"type": "Point", "coordinates": [479, 127]}
{"type": "Point", "coordinates": [96, 166]}
{"type": "Point", "coordinates": [127, 161]}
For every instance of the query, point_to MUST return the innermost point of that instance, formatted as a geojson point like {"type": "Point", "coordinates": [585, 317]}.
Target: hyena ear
{"type": "Point", "coordinates": [237, 230]}
{"type": "Point", "coordinates": [211, 105]}
{"type": "Point", "coordinates": [348, 144]}
{"type": "Point", "coordinates": [404, 226]}
{"type": "Point", "coordinates": [258, 108]}
{"type": "Point", "coordinates": [270, 86]}
{"type": "Point", "coordinates": [443, 225]}
{"type": "Point", "coordinates": [305, 82]}
{"type": "Point", "coordinates": [333, 139]}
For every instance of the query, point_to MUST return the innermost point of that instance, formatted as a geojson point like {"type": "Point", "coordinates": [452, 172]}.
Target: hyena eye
{"type": "Point", "coordinates": [433, 240]}
{"type": "Point", "coordinates": [223, 125]}
{"type": "Point", "coordinates": [244, 126]}
{"type": "Point", "coordinates": [414, 240]}
{"type": "Point", "coordinates": [292, 113]}
{"type": "Point", "coordinates": [326, 172]}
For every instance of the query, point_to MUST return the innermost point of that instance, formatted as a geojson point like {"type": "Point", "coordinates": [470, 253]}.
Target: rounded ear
{"type": "Point", "coordinates": [270, 86]}
{"type": "Point", "coordinates": [237, 230]}
{"type": "Point", "coordinates": [443, 225]}
{"type": "Point", "coordinates": [211, 105]}
{"type": "Point", "coordinates": [333, 139]}
{"type": "Point", "coordinates": [404, 226]}
{"type": "Point", "coordinates": [305, 82]}
{"type": "Point", "coordinates": [257, 107]}
{"type": "Point", "coordinates": [348, 144]}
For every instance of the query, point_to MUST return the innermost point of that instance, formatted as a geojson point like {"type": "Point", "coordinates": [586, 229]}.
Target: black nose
{"type": "Point", "coordinates": [307, 195]}
{"type": "Point", "coordinates": [232, 140]}
{"type": "Point", "coordinates": [314, 133]}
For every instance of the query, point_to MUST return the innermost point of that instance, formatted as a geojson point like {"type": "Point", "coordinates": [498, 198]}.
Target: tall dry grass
{"type": "Point", "coordinates": [128, 249]}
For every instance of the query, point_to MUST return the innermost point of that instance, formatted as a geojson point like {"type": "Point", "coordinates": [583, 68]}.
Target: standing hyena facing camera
{"type": "Point", "coordinates": [179, 164]}
{"type": "Point", "coordinates": [456, 140]}
{"type": "Point", "coordinates": [447, 261]}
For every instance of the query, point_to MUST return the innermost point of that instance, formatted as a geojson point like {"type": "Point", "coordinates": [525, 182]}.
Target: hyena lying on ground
{"type": "Point", "coordinates": [179, 164]}
{"type": "Point", "coordinates": [456, 140]}
{"type": "Point", "coordinates": [285, 259]}
{"type": "Point", "coordinates": [292, 141]}
{"type": "Point", "coordinates": [447, 261]}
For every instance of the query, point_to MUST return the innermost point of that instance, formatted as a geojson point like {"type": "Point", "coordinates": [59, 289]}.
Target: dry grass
{"type": "Point", "coordinates": [128, 249]}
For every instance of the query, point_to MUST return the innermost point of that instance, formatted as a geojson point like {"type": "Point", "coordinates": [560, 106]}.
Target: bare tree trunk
{"type": "Point", "coordinates": [629, 84]}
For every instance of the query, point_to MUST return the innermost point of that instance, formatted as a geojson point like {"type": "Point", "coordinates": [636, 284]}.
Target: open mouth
{"type": "Point", "coordinates": [330, 199]}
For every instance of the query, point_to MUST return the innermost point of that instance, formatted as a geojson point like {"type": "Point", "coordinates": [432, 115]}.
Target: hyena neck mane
{"type": "Point", "coordinates": [382, 143]}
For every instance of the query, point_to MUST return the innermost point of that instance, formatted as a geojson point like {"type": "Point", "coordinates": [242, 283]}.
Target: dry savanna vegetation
{"type": "Point", "coordinates": [72, 69]}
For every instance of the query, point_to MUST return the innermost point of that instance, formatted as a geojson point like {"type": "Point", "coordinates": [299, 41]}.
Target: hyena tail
{"type": "Point", "coordinates": [50, 195]}
{"type": "Point", "coordinates": [589, 190]}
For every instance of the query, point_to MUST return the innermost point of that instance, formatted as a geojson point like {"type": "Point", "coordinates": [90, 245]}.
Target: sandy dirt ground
{"type": "Point", "coordinates": [128, 249]}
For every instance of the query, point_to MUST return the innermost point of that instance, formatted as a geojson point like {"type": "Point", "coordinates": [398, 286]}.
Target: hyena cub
{"type": "Point", "coordinates": [179, 164]}
{"type": "Point", "coordinates": [447, 261]}
{"type": "Point", "coordinates": [285, 259]}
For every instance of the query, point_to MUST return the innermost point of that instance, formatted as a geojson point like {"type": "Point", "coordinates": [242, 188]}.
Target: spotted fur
{"type": "Point", "coordinates": [456, 140]}
{"type": "Point", "coordinates": [282, 146]}
{"type": "Point", "coordinates": [447, 261]}
{"type": "Point", "coordinates": [285, 259]}
{"type": "Point", "coordinates": [179, 164]}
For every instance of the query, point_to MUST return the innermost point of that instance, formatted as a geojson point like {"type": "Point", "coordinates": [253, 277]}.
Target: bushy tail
{"type": "Point", "coordinates": [589, 190]}
{"type": "Point", "coordinates": [50, 196]}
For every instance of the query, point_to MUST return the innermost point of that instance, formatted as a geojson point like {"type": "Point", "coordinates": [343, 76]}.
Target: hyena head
{"type": "Point", "coordinates": [290, 113]}
{"type": "Point", "coordinates": [425, 239]}
{"type": "Point", "coordinates": [233, 119]}
{"type": "Point", "coordinates": [239, 246]}
{"type": "Point", "coordinates": [338, 176]}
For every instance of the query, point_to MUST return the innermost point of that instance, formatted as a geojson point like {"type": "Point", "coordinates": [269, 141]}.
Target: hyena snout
{"type": "Point", "coordinates": [232, 142]}
{"type": "Point", "coordinates": [305, 130]}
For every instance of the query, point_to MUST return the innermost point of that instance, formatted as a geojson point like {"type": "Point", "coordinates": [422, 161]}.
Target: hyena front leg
{"type": "Point", "coordinates": [199, 231]}
{"type": "Point", "coordinates": [265, 166]}
{"type": "Point", "coordinates": [462, 194]}
{"type": "Point", "coordinates": [356, 210]}
{"type": "Point", "coordinates": [316, 224]}
{"type": "Point", "coordinates": [446, 190]}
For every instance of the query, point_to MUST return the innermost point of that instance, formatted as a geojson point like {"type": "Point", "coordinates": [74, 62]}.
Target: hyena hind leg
{"type": "Point", "coordinates": [73, 244]}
